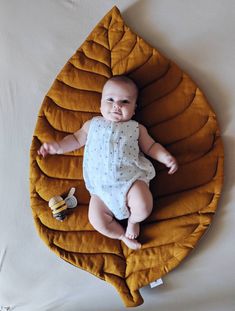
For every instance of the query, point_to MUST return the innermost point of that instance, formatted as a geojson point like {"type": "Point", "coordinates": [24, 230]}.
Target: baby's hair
{"type": "Point", "coordinates": [125, 79]}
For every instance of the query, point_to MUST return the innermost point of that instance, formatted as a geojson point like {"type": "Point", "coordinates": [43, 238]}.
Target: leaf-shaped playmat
{"type": "Point", "coordinates": [176, 114]}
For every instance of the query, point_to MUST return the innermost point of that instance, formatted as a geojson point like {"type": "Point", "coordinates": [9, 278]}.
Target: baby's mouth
{"type": "Point", "coordinates": [116, 112]}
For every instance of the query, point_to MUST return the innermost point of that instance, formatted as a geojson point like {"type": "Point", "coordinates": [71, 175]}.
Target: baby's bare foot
{"type": "Point", "coordinates": [132, 230]}
{"type": "Point", "coordinates": [132, 244]}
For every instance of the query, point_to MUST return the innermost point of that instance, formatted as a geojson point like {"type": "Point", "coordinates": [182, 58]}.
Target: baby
{"type": "Point", "coordinates": [116, 173]}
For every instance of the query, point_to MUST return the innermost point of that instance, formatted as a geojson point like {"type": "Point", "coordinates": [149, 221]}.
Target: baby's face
{"type": "Point", "coordinates": [118, 101]}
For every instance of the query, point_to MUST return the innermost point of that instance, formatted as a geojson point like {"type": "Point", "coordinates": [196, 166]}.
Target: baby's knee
{"type": "Point", "coordinates": [147, 209]}
{"type": "Point", "coordinates": [100, 222]}
{"type": "Point", "coordinates": [142, 212]}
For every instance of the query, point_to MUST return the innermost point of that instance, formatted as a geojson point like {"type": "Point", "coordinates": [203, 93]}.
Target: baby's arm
{"type": "Point", "coordinates": [68, 143]}
{"type": "Point", "coordinates": [155, 150]}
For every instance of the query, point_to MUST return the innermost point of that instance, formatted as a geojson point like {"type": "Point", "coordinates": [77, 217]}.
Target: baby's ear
{"type": "Point", "coordinates": [137, 106]}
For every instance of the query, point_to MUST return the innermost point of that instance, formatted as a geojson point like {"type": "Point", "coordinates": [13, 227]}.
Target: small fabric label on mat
{"type": "Point", "coordinates": [156, 283]}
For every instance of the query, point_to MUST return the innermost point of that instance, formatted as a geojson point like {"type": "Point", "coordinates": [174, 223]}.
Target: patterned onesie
{"type": "Point", "coordinates": [113, 162]}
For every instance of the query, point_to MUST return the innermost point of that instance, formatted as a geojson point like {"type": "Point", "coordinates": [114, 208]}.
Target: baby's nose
{"type": "Point", "coordinates": [117, 104]}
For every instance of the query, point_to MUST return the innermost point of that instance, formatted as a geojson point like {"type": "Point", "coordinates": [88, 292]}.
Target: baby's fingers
{"type": "Point", "coordinates": [43, 150]}
{"type": "Point", "coordinates": [173, 169]}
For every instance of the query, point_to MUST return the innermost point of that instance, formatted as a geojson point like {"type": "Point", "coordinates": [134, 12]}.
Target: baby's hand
{"type": "Point", "coordinates": [171, 163]}
{"type": "Point", "coordinates": [48, 148]}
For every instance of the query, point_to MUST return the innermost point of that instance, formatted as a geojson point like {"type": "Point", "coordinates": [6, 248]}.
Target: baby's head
{"type": "Point", "coordinates": [119, 98]}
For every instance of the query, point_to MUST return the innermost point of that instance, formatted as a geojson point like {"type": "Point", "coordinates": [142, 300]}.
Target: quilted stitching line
{"type": "Point", "coordinates": [174, 116]}
{"type": "Point", "coordinates": [188, 136]}
{"type": "Point", "coordinates": [123, 33]}
{"type": "Point", "coordinates": [89, 57]}
{"type": "Point", "coordinates": [63, 109]}
{"type": "Point", "coordinates": [57, 177]}
{"type": "Point", "coordinates": [85, 70]}
{"type": "Point", "coordinates": [147, 60]}
{"type": "Point", "coordinates": [159, 219]}
{"type": "Point", "coordinates": [52, 242]}
{"type": "Point", "coordinates": [190, 188]}
{"type": "Point", "coordinates": [93, 59]}
{"type": "Point", "coordinates": [70, 109]}
{"type": "Point", "coordinates": [90, 60]}
{"type": "Point", "coordinates": [48, 116]}
{"type": "Point", "coordinates": [52, 127]}
{"type": "Point", "coordinates": [60, 80]}
{"type": "Point", "coordinates": [165, 94]}
{"type": "Point", "coordinates": [87, 253]}
{"type": "Point", "coordinates": [99, 44]}
{"type": "Point", "coordinates": [127, 56]}
{"type": "Point", "coordinates": [142, 65]}
{"type": "Point", "coordinates": [169, 66]}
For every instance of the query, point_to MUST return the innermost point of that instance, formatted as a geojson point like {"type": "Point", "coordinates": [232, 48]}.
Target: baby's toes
{"type": "Point", "coordinates": [132, 230]}
{"type": "Point", "coordinates": [130, 236]}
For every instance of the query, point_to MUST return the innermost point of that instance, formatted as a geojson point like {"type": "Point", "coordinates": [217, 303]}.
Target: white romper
{"type": "Point", "coordinates": [113, 162]}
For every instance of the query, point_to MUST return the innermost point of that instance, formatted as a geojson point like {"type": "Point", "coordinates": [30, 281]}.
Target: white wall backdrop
{"type": "Point", "coordinates": [36, 39]}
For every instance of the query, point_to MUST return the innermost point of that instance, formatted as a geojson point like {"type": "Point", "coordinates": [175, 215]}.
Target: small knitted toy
{"type": "Point", "coordinates": [59, 206]}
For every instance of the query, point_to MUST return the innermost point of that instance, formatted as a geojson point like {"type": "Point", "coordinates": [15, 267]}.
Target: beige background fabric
{"type": "Point", "coordinates": [36, 39]}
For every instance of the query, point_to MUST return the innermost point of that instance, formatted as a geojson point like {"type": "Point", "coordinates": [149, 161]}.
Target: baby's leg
{"type": "Point", "coordinates": [103, 221]}
{"type": "Point", "coordinates": [140, 203]}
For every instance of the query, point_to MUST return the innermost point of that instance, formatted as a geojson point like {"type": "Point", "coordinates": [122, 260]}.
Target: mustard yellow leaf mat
{"type": "Point", "coordinates": [176, 114]}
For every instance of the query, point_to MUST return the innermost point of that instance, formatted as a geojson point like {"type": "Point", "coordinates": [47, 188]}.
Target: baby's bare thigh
{"type": "Point", "coordinates": [98, 211]}
{"type": "Point", "coordinates": [139, 196]}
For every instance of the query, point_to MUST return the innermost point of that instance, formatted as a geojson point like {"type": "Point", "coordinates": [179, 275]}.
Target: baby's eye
{"type": "Point", "coordinates": [125, 101]}
{"type": "Point", "coordinates": [110, 100]}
